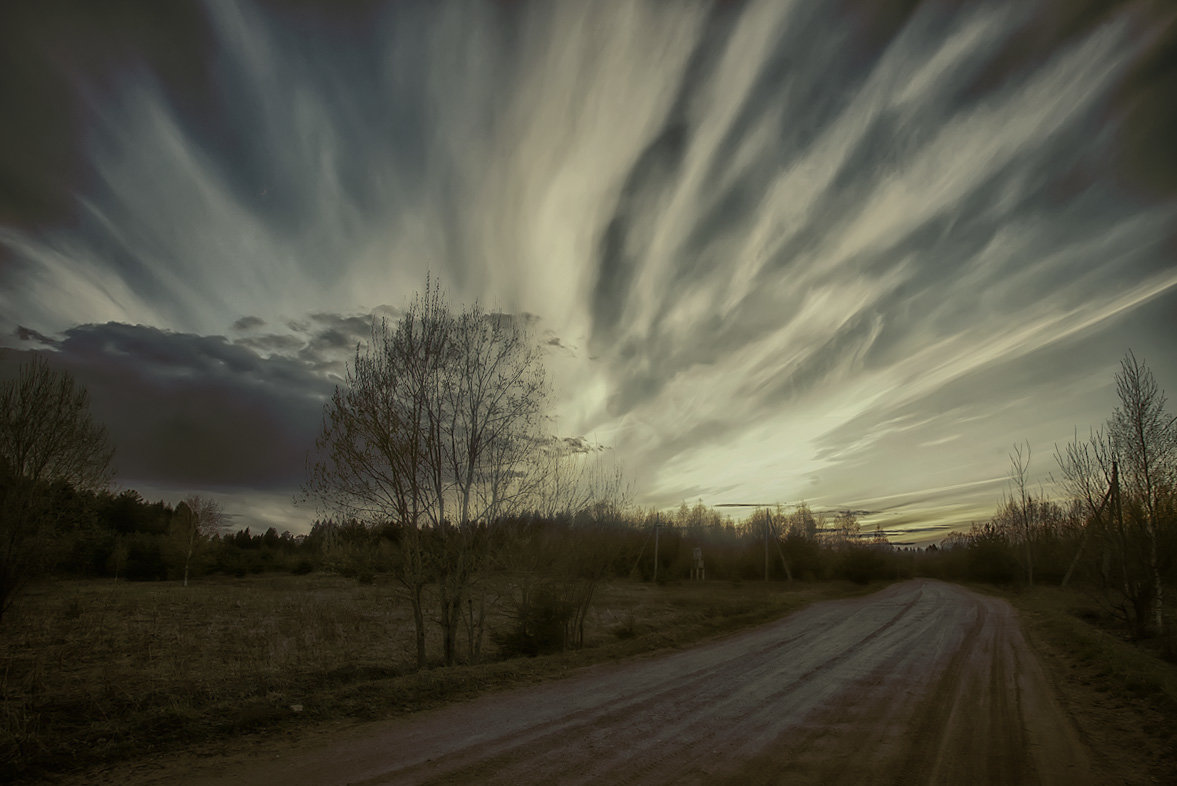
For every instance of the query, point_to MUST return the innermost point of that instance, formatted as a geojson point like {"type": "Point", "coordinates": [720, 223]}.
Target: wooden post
{"type": "Point", "coordinates": [784, 562]}
{"type": "Point", "coordinates": [1096, 521]}
{"type": "Point", "coordinates": [657, 519]}
{"type": "Point", "coordinates": [767, 521]}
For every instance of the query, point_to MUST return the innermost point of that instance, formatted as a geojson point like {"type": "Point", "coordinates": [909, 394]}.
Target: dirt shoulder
{"type": "Point", "coordinates": [1121, 699]}
{"type": "Point", "coordinates": [921, 682]}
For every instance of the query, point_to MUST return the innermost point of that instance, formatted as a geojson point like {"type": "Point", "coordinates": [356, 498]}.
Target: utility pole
{"type": "Point", "coordinates": [657, 519]}
{"type": "Point", "coordinates": [1096, 521]}
{"type": "Point", "coordinates": [767, 522]}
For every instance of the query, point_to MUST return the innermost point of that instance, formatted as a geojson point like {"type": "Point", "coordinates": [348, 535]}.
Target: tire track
{"type": "Point", "coordinates": [687, 706]}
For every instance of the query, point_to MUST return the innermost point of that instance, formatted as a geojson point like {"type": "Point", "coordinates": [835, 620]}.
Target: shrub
{"type": "Point", "coordinates": [541, 627]}
{"type": "Point", "coordinates": [145, 559]}
{"type": "Point", "coordinates": [864, 564]}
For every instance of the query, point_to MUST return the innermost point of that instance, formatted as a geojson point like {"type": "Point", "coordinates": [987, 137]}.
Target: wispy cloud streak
{"type": "Point", "coordinates": [776, 250]}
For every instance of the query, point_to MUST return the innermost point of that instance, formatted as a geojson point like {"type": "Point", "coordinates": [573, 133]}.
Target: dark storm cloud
{"type": "Point", "coordinates": [248, 323]}
{"type": "Point", "coordinates": [196, 412]}
{"type": "Point", "coordinates": [322, 343]}
{"type": "Point", "coordinates": [355, 325]}
{"type": "Point", "coordinates": [578, 445]}
{"type": "Point", "coordinates": [330, 332]}
{"type": "Point", "coordinates": [269, 343]}
{"type": "Point", "coordinates": [331, 340]}
{"type": "Point", "coordinates": [28, 334]}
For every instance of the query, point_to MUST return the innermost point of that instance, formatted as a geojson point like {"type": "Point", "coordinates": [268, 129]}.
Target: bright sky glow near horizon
{"type": "Point", "coordinates": [843, 252]}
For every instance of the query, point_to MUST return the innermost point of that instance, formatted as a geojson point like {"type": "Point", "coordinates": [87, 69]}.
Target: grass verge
{"type": "Point", "coordinates": [1122, 697]}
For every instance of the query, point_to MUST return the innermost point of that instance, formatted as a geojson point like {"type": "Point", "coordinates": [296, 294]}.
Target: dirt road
{"type": "Point", "coordinates": [923, 682]}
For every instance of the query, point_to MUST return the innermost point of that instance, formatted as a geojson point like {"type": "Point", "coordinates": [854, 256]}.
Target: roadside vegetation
{"type": "Point", "coordinates": [460, 546]}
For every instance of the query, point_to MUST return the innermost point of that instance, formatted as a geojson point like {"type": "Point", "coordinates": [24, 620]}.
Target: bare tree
{"type": "Point", "coordinates": [802, 523]}
{"type": "Point", "coordinates": [430, 432]}
{"type": "Point", "coordinates": [1124, 478]}
{"type": "Point", "coordinates": [572, 475]}
{"type": "Point", "coordinates": [47, 436]}
{"type": "Point", "coordinates": [378, 457]}
{"type": "Point", "coordinates": [47, 433]}
{"type": "Point", "coordinates": [556, 564]}
{"type": "Point", "coordinates": [1144, 437]}
{"type": "Point", "coordinates": [492, 401]}
{"type": "Point", "coordinates": [593, 546]}
{"type": "Point", "coordinates": [1086, 468]}
{"type": "Point", "coordinates": [195, 521]}
{"type": "Point", "coordinates": [1020, 506]}
{"type": "Point", "coordinates": [844, 531]}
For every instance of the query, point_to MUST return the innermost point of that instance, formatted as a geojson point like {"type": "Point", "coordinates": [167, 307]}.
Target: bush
{"type": "Point", "coordinates": [145, 559]}
{"type": "Point", "coordinates": [864, 564]}
{"type": "Point", "coordinates": [991, 559]}
{"type": "Point", "coordinates": [541, 627]}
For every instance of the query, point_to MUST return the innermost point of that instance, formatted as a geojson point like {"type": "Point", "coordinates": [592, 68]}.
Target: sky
{"type": "Point", "coordinates": [844, 252]}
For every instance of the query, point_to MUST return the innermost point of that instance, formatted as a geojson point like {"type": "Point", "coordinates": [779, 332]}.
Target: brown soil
{"type": "Point", "coordinates": [923, 682]}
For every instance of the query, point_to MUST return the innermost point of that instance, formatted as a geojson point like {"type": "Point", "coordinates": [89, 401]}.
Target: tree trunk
{"type": "Point", "coordinates": [475, 626]}
{"type": "Point", "coordinates": [450, 639]}
{"type": "Point", "coordinates": [187, 560]}
{"type": "Point", "coordinates": [419, 624]}
{"type": "Point", "coordinates": [451, 617]}
{"type": "Point", "coordinates": [1158, 591]}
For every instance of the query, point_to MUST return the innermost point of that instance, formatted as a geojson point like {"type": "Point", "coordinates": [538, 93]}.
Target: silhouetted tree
{"type": "Point", "coordinates": [493, 396]}
{"type": "Point", "coordinates": [1144, 438]}
{"type": "Point", "coordinates": [1020, 505]}
{"type": "Point", "coordinates": [195, 521]}
{"type": "Point", "coordinates": [379, 454]}
{"type": "Point", "coordinates": [990, 554]}
{"type": "Point", "coordinates": [1086, 468]}
{"type": "Point", "coordinates": [47, 436]}
{"type": "Point", "coordinates": [1123, 480]}
{"type": "Point", "coordinates": [432, 430]}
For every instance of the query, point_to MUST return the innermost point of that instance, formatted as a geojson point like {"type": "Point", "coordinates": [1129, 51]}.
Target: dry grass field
{"type": "Point", "coordinates": [98, 671]}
